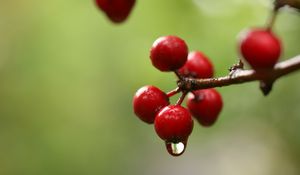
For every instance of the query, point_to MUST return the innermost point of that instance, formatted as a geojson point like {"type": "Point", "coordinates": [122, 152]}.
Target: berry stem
{"type": "Point", "coordinates": [178, 75]}
{"type": "Point", "coordinates": [173, 92]}
{"type": "Point", "coordinates": [181, 98]}
{"type": "Point", "coordinates": [272, 19]}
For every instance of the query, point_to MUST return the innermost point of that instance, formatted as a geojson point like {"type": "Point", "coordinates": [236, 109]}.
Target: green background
{"type": "Point", "coordinates": [68, 75]}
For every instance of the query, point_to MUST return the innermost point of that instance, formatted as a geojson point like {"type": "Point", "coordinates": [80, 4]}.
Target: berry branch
{"type": "Point", "coordinates": [239, 75]}
{"type": "Point", "coordinates": [259, 47]}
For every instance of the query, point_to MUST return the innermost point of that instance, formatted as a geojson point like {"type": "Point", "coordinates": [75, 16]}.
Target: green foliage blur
{"type": "Point", "coordinates": [68, 75]}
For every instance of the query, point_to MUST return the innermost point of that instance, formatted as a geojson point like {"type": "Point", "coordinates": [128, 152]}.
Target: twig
{"type": "Point", "coordinates": [178, 75]}
{"type": "Point", "coordinates": [173, 92]}
{"type": "Point", "coordinates": [272, 19]}
{"type": "Point", "coordinates": [240, 76]}
{"type": "Point", "coordinates": [180, 100]}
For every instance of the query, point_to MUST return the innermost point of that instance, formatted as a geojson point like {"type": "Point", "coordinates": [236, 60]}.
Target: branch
{"type": "Point", "coordinates": [239, 76]}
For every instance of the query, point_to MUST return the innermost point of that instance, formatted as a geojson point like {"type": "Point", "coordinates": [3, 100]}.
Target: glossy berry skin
{"type": "Point", "coordinates": [168, 53]}
{"type": "Point", "coordinates": [197, 66]}
{"type": "Point", "coordinates": [173, 124]}
{"type": "Point", "coordinates": [260, 48]}
{"type": "Point", "coordinates": [205, 105]}
{"type": "Point", "coordinates": [148, 101]}
{"type": "Point", "coordinates": [116, 10]}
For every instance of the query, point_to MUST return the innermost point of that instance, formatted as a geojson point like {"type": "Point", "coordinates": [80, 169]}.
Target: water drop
{"type": "Point", "coordinates": [176, 149]}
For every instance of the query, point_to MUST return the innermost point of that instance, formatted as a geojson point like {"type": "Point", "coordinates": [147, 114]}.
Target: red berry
{"type": "Point", "coordinates": [261, 48]}
{"type": "Point", "coordinates": [197, 66]}
{"type": "Point", "coordinates": [168, 53]}
{"type": "Point", "coordinates": [116, 10]}
{"type": "Point", "coordinates": [148, 101]}
{"type": "Point", "coordinates": [173, 124]}
{"type": "Point", "coordinates": [205, 105]}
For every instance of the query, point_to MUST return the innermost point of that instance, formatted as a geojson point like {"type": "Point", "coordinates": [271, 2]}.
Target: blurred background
{"type": "Point", "coordinates": [68, 75]}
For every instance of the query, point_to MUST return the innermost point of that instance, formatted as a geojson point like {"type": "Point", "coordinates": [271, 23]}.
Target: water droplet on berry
{"type": "Point", "coordinates": [175, 149]}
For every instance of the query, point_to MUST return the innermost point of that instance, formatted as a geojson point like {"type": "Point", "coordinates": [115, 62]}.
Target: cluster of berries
{"type": "Point", "coordinates": [174, 123]}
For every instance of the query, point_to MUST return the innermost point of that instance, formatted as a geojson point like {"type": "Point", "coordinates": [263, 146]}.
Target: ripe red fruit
{"type": "Point", "coordinates": [148, 101]}
{"type": "Point", "coordinates": [168, 53]}
{"type": "Point", "coordinates": [205, 105]}
{"type": "Point", "coordinates": [197, 66]}
{"type": "Point", "coordinates": [116, 10]}
{"type": "Point", "coordinates": [261, 48]}
{"type": "Point", "coordinates": [173, 124]}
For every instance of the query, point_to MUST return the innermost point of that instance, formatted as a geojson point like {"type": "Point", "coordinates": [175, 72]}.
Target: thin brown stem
{"type": "Point", "coordinates": [173, 92]}
{"type": "Point", "coordinates": [272, 19]}
{"type": "Point", "coordinates": [178, 75]}
{"type": "Point", "coordinates": [240, 76]}
{"type": "Point", "coordinates": [180, 100]}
